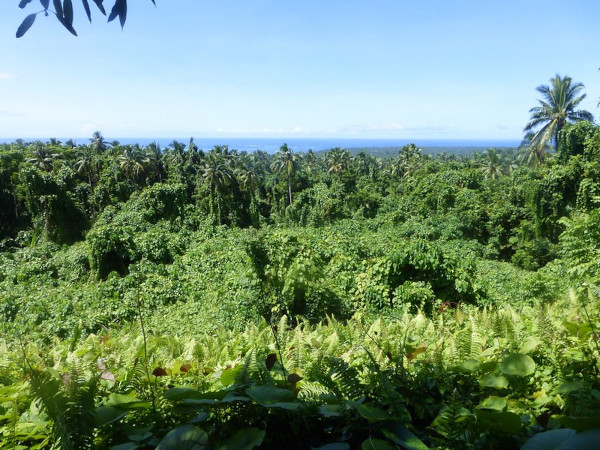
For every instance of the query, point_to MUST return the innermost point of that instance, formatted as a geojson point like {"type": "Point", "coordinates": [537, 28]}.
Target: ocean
{"type": "Point", "coordinates": [271, 145]}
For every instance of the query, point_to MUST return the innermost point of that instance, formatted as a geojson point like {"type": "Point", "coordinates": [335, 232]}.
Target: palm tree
{"type": "Point", "coordinates": [70, 143]}
{"type": "Point", "coordinates": [133, 162]}
{"type": "Point", "coordinates": [85, 163]}
{"type": "Point", "coordinates": [155, 158]}
{"type": "Point", "coordinates": [98, 143]}
{"type": "Point", "coordinates": [493, 164]}
{"type": "Point", "coordinates": [286, 162]}
{"type": "Point", "coordinates": [406, 162]}
{"type": "Point", "coordinates": [338, 160]}
{"type": "Point", "coordinates": [556, 110]}
{"type": "Point", "coordinates": [533, 154]}
{"type": "Point", "coordinates": [42, 158]}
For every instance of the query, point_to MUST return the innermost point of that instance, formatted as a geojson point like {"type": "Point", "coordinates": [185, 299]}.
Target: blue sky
{"type": "Point", "coordinates": [430, 69]}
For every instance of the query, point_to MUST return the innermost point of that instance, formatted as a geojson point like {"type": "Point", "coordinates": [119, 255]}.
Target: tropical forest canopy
{"type": "Point", "coordinates": [210, 298]}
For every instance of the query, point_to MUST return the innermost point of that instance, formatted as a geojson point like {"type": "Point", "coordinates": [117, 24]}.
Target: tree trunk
{"type": "Point", "coordinates": [290, 189]}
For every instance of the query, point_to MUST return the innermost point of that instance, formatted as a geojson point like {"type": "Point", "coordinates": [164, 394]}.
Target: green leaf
{"type": "Point", "coordinates": [505, 422]}
{"type": "Point", "coordinates": [126, 402]}
{"type": "Point", "coordinates": [564, 439]}
{"type": "Point", "coordinates": [59, 10]}
{"type": "Point", "coordinates": [100, 6]}
{"type": "Point", "coordinates": [330, 410]}
{"type": "Point", "coordinates": [229, 375]}
{"type": "Point", "coordinates": [104, 415]}
{"type": "Point", "coordinates": [401, 436]}
{"type": "Point", "coordinates": [185, 437]}
{"type": "Point", "coordinates": [517, 364]}
{"type": "Point", "coordinates": [272, 397]}
{"type": "Point", "coordinates": [376, 444]}
{"type": "Point", "coordinates": [494, 403]}
{"type": "Point", "coordinates": [120, 10]}
{"type": "Point", "coordinates": [371, 413]}
{"type": "Point", "coordinates": [86, 6]}
{"type": "Point", "coordinates": [126, 446]}
{"type": "Point", "coordinates": [68, 11]}
{"type": "Point", "coordinates": [245, 439]}
{"type": "Point", "coordinates": [24, 3]}
{"type": "Point", "coordinates": [529, 344]}
{"type": "Point", "coordinates": [579, 423]}
{"type": "Point", "coordinates": [493, 381]}
{"type": "Point", "coordinates": [569, 386]}
{"type": "Point", "coordinates": [26, 25]}
{"type": "Point", "coordinates": [176, 394]}
{"type": "Point", "coordinates": [470, 365]}
{"type": "Point", "coordinates": [334, 446]}
{"type": "Point", "coordinates": [548, 440]}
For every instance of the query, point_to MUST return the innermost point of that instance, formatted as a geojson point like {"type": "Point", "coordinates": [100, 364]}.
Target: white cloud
{"type": "Point", "coordinates": [7, 76]}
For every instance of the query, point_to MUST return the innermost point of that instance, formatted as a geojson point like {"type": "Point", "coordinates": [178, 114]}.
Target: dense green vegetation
{"type": "Point", "coordinates": [176, 297]}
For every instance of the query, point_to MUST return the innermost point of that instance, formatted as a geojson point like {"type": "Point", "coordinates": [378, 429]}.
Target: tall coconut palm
{"type": "Point", "coordinates": [42, 158]}
{"type": "Point", "coordinates": [286, 161]}
{"type": "Point", "coordinates": [155, 158]}
{"type": "Point", "coordinates": [338, 160]}
{"type": "Point", "coordinates": [533, 154]}
{"type": "Point", "coordinates": [557, 109]}
{"type": "Point", "coordinates": [133, 161]}
{"type": "Point", "coordinates": [85, 164]}
{"type": "Point", "coordinates": [98, 143]}
{"type": "Point", "coordinates": [493, 165]}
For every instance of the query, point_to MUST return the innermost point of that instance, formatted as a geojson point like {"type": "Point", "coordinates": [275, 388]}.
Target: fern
{"type": "Point", "coordinates": [69, 403]}
{"type": "Point", "coordinates": [453, 423]}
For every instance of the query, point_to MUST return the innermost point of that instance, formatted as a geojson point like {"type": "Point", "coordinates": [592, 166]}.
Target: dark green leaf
{"type": "Point", "coordinates": [270, 396]}
{"type": "Point", "coordinates": [569, 386]}
{"type": "Point", "coordinates": [108, 414]}
{"type": "Point", "coordinates": [26, 25]}
{"type": "Point", "coordinates": [24, 3]}
{"type": "Point", "coordinates": [245, 439]}
{"type": "Point", "coordinates": [371, 413]}
{"type": "Point", "coordinates": [185, 437]}
{"type": "Point", "coordinates": [45, 3]}
{"type": "Point", "coordinates": [376, 444]}
{"type": "Point", "coordinates": [548, 440]}
{"type": "Point", "coordinates": [504, 422]}
{"type": "Point", "coordinates": [68, 12]}
{"type": "Point", "coordinates": [579, 423]}
{"type": "Point", "coordinates": [59, 10]}
{"type": "Point", "coordinates": [100, 6]}
{"type": "Point", "coordinates": [126, 446]}
{"type": "Point", "coordinates": [333, 446]}
{"type": "Point", "coordinates": [120, 10]}
{"type": "Point", "coordinates": [86, 6]}
{"type": "Point", "coordinates": [401, 436]}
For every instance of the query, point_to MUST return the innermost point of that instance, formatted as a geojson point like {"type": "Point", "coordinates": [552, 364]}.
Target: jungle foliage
{"type": "Point", "coordinates": [160, 298]}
